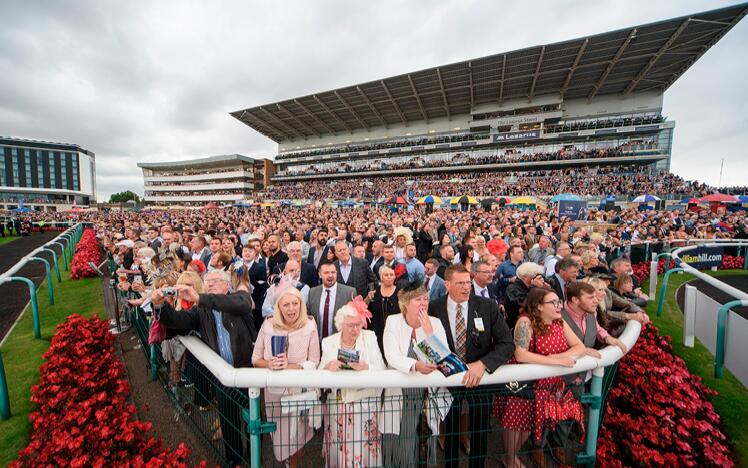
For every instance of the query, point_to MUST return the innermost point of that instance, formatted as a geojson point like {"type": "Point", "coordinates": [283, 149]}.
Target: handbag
{"type": "Point", "coordinates": [157, 333]}
{"type": "Point", "coordinates": [522, 389]}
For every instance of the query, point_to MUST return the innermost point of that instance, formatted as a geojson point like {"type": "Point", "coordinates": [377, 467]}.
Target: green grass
{"type": "Point", "coordinates": [22, 353]}
{"type": "Point", "coordinates": [8, 239]}
{"type": "Point", "coordinates": [732, 401]}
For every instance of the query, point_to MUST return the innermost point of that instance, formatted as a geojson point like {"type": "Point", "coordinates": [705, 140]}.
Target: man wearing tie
{"type": "Point", "coordinates": [352, 271]}
{"type": "Point", "coordinates": [482, 276]}
{"type": "Point", "coordinates": [477, 333]}
{"type": "Point", "coordinates": [327, 298]}
{"type": "Point", "coordinates": [567, 271]}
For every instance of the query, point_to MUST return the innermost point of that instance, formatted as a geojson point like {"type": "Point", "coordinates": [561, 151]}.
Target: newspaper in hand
{"type": "Point", "coordinates": [432, 351]}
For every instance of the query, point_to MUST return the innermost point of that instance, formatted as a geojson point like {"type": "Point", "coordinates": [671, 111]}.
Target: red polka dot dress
{"type": "Point", "coordinates": [552, 402]}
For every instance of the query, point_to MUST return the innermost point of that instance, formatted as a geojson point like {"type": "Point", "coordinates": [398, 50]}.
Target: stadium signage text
{"type": "Point", "coordinates": [575, 210]}
{"type": "Point", "coordinates": [704, 257]}
{"type": "Point", "coordinates": [523, 119]}
{"type": "Point", "coordinates": [514, 136]}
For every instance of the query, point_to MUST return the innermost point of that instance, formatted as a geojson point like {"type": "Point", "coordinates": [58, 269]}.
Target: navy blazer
{"type": "Point", "coordinates": [309, 275]}
{"type": "Point", "coordinates": [312, 250]}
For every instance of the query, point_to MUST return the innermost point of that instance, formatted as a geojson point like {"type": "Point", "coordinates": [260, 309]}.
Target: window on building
{"type": "Point", "coordinates": [39, 169]}
{"type": "Point", "coordinates": [63, 171]}
{"type": "Point", "coordinates": [14, 162]}
{"type": "Point", "coordinates": [27, 167]}
{"type": "Point", "coordinates": [52, 177]}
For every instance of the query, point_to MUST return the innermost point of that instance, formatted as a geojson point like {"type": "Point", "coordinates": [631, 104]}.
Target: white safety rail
{"type": "Point", "coordinates": [27, 258]}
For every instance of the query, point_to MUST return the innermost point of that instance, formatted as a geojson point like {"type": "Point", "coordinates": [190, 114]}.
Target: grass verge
{"type": "Point", "coordinates": [8, 239]}
{"type": "Point", "coordinates": [732, 401]}
{"type": "Point", "coordinates": [22, 353]}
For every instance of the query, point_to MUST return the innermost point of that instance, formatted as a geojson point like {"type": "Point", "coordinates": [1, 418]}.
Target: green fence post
{"type": "Point", "coordinates": [661, 300]}
{"type": "Point", "coordinates": [4, 397]}
{"type": "Point", "coordinates": [256, 427]}
{"type": "Point", "coordinates": [594, 398]}
{"type": "Point", "coordinates": [57, 265]}
{"type": "Point", "coordinates": [745, 263]}
{"type": "Point", "coordinates": [34, 305]}
{"type": "Point", "coordinates": [719, 355]}
{"type": "Point", "coordinates": [64, 253]}
{"type": "Point", "coordinates": [154, 362]}
{"type": "Point", "coordinates": [49, 278]}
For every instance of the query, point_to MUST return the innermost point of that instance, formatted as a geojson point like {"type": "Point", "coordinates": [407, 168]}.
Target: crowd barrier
{"type": "Point", "coordinates": [242, 416]}
{"type": "Point", "coordinates": [66, 243]}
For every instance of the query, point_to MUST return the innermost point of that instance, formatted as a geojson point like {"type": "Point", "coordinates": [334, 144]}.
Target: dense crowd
{"type": "Point", "coordinates": [621, 181]}
{"type": "Point", "coordinates": [361, 289]}
{"type": "Point", "coordinates": [467, 159]}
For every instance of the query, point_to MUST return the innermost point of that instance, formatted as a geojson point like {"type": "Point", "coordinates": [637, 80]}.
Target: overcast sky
{"type": "Point", "coordinates": [154, 81]}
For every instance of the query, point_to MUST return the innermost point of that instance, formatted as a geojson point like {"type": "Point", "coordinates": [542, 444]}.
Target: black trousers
{"type": "Point", "coordinates": [478, 403]}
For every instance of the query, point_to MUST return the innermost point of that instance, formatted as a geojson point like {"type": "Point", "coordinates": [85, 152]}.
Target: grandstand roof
{"type": "Point", "coordinates": [636, 59]}
{"type": "Point", "coordinates": [207, 161]}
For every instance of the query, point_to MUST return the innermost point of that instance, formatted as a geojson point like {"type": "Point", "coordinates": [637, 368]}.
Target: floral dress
{"type": "Point", "coordinates": [552, 403]}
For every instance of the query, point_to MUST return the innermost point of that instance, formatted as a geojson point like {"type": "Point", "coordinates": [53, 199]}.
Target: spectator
{"type": "Point", "coordinates": [327, 298]}
{"type": "Point", "coordinates": [528, 274]}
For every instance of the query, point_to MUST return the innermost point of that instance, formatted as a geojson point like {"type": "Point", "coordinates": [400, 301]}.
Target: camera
{"type": "Point", "coordinates": [169, 292]}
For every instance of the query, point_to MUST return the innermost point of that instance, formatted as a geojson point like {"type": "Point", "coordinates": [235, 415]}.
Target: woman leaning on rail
{"type": "Point", "coordinates": [295, 333]}
{"type": "Point", "coordinates": [402, 409]}
{"type": "Point", "coordinates": [351, 426]}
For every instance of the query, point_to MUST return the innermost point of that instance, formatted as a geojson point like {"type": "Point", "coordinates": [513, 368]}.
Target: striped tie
{"type": "Point", "coordinates": [460, 333]}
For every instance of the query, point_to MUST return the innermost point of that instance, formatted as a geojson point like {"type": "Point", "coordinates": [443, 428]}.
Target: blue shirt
{"type": "Point", "coordinates": [505, 272]}
{"type": "Point", "coordinates": [224, 340]}
{"type": "Point", "coordinates": [415, 268]}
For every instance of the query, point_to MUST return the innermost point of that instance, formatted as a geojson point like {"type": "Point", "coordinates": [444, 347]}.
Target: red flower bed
{"type": "Point", "coordinates": [82, 418]}
{"type": "Point", "coordinates": [86, 251]}
{"type": "Point", "coordinates": [730, 262]}
{"type": "Point", "coordinates": [659, 413]}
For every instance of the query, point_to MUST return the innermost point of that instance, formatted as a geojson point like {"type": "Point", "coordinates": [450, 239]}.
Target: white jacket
{"type": "Point", "coordinates": [396, 342]}
{"type": "Point", "coordinates": [369, 353]}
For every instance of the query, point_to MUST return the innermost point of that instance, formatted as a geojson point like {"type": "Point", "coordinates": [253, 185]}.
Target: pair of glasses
{"type": "Point", "coordinates": [555, 302]}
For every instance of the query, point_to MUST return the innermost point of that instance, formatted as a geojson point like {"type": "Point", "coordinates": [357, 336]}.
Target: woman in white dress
{"type": "Point", "coordinates": [351, 431]}
{"type": "Point", "coordinates": [289, 319]}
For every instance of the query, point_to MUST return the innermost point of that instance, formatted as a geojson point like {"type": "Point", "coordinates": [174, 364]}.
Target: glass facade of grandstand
{"type": "Point", "coordinates": [45, 175]}
{"type": "Point", "coordinates": [217, 179]}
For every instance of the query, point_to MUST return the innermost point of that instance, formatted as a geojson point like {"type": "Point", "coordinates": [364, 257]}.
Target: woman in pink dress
{"type": "Point", "coordinates": [540, 337]}
{"type": "Point", "coordinates": [289, 319]}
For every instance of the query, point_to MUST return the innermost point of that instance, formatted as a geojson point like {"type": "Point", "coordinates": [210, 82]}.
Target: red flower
{"type": "Point", "coordinates": [86, 251]}
{"type": "Point", "coordinates": [400, 270]}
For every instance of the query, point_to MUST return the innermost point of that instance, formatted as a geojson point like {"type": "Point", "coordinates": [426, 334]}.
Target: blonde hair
{"type": "Point", "coordinates": [193, 278]}
{"type": "Point", "coordinates": [405, 296]}
{"type": "Point", "coordinates": [279, 321]}
{"type": "Point", "coordinates": [385, 268]}
{"type": "Point", "coordinates": [588, 256]}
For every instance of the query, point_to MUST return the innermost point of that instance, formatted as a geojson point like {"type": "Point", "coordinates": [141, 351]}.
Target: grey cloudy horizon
{"type": "Point", "coordinates": [155, 81]}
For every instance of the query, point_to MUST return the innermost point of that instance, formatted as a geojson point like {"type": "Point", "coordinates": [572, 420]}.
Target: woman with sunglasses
{"type": "Point", "coordinates": [540, 337]}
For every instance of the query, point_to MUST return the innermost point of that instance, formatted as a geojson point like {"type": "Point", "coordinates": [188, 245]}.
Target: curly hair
{"type": "Point", "coordinates": [531, 308]}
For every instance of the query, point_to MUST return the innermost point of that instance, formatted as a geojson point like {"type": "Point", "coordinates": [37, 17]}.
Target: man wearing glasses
{"type": "Point", "coordinates": [224, 322]}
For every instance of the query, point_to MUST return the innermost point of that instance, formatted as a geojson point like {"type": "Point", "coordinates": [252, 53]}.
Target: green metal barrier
{"type": "Point", "coordinates": [663, 289]}
{"type": "Point", "coordinates": [719, 355]}
{"type": "Point", "coordinates": [4, 397]}
{"type": "Point", "coordinates": [64, 254]}
{"type": "Point", "coordinates": [50, 291]}
{"type": "Point", "coordinates": [34, 304]}
{"type": "Point", "coordinates": [54, 258]}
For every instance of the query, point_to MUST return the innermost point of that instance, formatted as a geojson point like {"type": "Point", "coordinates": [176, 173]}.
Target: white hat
{"type": "Point", "coordinates": [127, 242]}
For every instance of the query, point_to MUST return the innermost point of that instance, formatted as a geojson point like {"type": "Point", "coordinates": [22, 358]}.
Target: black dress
{"type": "Point", "coordinates": [382, 307]}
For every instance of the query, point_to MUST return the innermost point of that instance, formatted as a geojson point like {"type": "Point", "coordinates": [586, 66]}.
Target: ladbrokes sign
{"type": "Point", "coordinates": [703, 257]}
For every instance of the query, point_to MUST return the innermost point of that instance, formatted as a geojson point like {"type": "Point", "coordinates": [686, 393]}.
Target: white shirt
{"type": "Point", "coordinates": [345, 269]}
{"type": "Point", "coordinates": [374, 262]}
{"type": "Point", "coordinates": [479, 291]}
{"type": "Point", "coordinates": [331, 320]}
{"type": "Point", "coordinates": [430, 281]}
{"type": "Point", "coordinates": [452, 314]}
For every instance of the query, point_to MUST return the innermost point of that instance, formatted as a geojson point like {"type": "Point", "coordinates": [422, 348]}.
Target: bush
{"type": "Point", "coordinates": [86, 251]}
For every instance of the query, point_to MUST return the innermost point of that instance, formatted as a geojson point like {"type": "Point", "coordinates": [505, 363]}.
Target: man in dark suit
{"type": "Point", "coordinates": [309, 274]}
{"type": "Point", "coordinates": [318, 249]}
{"type": "Point", "coordinates": [388, 258]}
{"type": "Point", "coordinates": [277, 256]}
{"type": "Point", "coordinates": [482, 284]}
{"type": "Point", "coordinates": [567, 271]}
{"type": "Point", "coordinates": [477, 333]}
{"type": "Point", "coordinates": [258, 279]}
{"type": "Point", "coordinates": [225, 324]}
{"type": "Point", "coordinates": [353, 271]}
{"type": "Point", "coordinates": [327, 298]}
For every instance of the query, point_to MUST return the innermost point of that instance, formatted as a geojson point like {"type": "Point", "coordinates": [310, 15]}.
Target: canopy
{"type": "Point", "coordinates": [504, 200]}
{"type": "Point", "coordinates": [645, 199]}
{"type": "Point", "coordinates": [242, 204]}
{"type": "Point", "coordinates": [690, 200]}
{"type": "Point", "coordinates": [743, 198]}
{"type": "Point", "coordinates": [524, 201]}
{"type": "Point", "coordinates": [489, 202]}
{"type": "Point", "coordinates": [429, 200]}
{"type": "Point", "coordinates": [464, 200]}
{"type": "Point", "coordinates": [719, 198]}
{"type": "Point", "coordinates": [565, 197]}
{"type": "Point", "coordinates": [210, 205]}
{"type": "Point", "coordinates": [396, 201]}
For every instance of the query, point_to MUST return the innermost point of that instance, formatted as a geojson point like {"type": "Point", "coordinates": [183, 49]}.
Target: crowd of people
{"type": "Point", "coordinates": [468, 159]}
{"type": "Point", "coordinates": [621, 181]}
{"type": "Point", "coordinates": [361, 289]}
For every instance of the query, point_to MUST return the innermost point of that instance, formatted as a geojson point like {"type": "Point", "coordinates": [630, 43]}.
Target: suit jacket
{"type": "Point", "coordinates": [494, 346]}
{"type": "Point", "coordinates": [437, 288]}
{"type": "Point", "coordinates": [492, 291]}
{"type": "Point", "coordinates": [380, 263]}
{"type": "Point", "coordinates": [237, 319]}
{"type": "Point", "coordinates": [368, 349]}
{"type": "Point", "coordinates": [308, 275]}
{"type": "Point", "coordinates": [343, 295]}
{"type": "Point", "coordinates": [360, 276]}
{"type": "Point", "coordinates": [555, 284]}
{"type": "Point", "coordinates": [312, 250]}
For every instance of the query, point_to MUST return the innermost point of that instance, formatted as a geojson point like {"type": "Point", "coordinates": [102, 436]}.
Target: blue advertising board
{"type": "Point", "coordinates": [576, 210]}
{"type": "Point", "coordinates": [702, 258]}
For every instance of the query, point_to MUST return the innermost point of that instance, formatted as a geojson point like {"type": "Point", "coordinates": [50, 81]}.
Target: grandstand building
{"type": "Point", "coordinates": [594, 101]}
{"type": "Point", "coordinates": [217, 179]}
{"type": "Point", "coordinates": [44, 175]}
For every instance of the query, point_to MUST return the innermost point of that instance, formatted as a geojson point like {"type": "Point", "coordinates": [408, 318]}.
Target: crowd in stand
{"type": "Point", "coordinates": [494, 286]}
{"type": "Point", "coordinates": [621, 181]}
{"type": "Point", "coordinates": [466, 159]}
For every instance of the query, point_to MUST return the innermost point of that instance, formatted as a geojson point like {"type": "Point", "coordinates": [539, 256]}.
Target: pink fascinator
{"type": "Point", "coordinates": [361, 309]}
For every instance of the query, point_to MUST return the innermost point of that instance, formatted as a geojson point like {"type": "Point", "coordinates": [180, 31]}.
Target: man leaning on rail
{"type": "Point", "coordinates": [224, 322]}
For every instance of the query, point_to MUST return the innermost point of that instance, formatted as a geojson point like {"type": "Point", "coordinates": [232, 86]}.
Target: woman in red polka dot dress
{"type": "Point", "coordinates": [540, 337]}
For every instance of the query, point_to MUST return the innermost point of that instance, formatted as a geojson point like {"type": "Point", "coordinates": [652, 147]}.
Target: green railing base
{"type": "Point", "coordinates": [257, 426]}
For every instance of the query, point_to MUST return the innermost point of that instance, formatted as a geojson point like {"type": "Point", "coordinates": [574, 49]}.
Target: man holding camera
{"type": "Point", "coordinates": [224, 322]}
